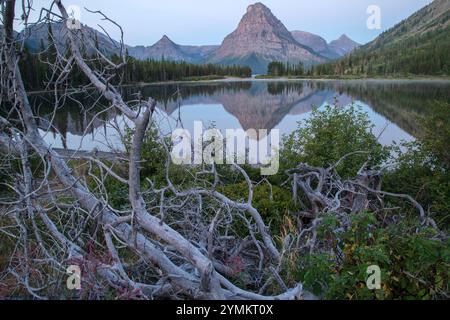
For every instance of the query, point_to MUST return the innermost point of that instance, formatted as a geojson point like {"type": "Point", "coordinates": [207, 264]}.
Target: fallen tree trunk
{"type": "Point", "coordinates": [184, 268]}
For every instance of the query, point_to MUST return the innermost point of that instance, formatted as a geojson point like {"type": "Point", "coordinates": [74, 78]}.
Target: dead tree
{"type": "Point", "coordinates": [166, 242]}
{"type": "Point", "coordinates": [184, 259]}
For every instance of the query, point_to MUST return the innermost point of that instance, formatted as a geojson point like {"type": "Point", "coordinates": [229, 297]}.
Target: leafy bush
{"type": "Point", "coordinates": [330, 134]}
{"type": "Point", "coordinates": [413, 265]}
{"type": "Point", "coordinates": [272, 203]}
{"type": "Point", "coordinates": [419, 177]}
{"type": "Point", "coordinates": [436, 135]}
{"type": "Point", "coordinates": [414, 261]}
{"type": "Point", "coordinates": [423, 169]}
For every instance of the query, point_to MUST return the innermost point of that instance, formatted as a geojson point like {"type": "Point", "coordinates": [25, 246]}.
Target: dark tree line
{"type": "Point", "coordinates": [37, 69]}
{"type": "Point", "coordinates": [164, 70]}
{"type": "Point", "coordinates": [278, 69]}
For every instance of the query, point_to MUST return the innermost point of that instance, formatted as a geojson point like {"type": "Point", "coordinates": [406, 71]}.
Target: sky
{"type": "Point", "coordinates": [204, 22]}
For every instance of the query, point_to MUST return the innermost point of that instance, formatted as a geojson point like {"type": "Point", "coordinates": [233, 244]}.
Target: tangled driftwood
{"type": "Point", "coordinates": [166, 243]}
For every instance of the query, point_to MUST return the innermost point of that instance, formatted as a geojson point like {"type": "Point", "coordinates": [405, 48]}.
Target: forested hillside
{"type": "Point", "coordinates": [419, 45]}
{"type": "Point", "coordinates": [37, 70]}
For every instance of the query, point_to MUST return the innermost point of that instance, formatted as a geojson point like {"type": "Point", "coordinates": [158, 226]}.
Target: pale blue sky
{"type": "Point", "coordinates": [199, 22]}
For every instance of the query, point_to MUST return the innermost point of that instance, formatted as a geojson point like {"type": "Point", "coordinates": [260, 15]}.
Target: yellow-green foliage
{"type": "Point", "coordinates": [273, 204]}
{"type": "Point", "coordinates": [413, 265]}
{"type": "Point", "coordinates": [330, 134]}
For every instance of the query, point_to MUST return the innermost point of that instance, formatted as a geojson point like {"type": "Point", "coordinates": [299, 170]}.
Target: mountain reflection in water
{"type": "Point", "coordinates": [247, 105]}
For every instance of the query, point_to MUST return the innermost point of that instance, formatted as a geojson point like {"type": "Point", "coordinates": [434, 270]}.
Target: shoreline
{"type": "Point", "coordinates": [268, 79]}
{"type": "Point", "coordinates": [287, 79]}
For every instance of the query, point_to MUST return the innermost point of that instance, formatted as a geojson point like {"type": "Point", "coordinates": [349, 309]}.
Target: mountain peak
{"type": "Point", "coordinates": [167, 49]}
{"type": "Point", "coordinates": [343, 45]}
{"type": "Point", "coordinates": [260, 21]}
{"type": "Point", "coordinates": [346, 39]}
{"type": "Point", "coordinates": [166, 44]}
{"type": "Point", "coordinates": [261, 17]}
{"type": "Point", "coordinates": [257, 7]}
{"type": "Point", "coordinates": [165, 40]}
{"type": "Point", "coordinates": [259, 39]}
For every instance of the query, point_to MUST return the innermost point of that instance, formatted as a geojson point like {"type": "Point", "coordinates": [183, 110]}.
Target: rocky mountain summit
{"type": "Point", "coordinates": [333, 50]}
{"type": "Point", "coordinates": [343, 45]}
{"type": "Point", "coordinates": [164, 48]}
{"type": "Point", "coordinates": [169, 50]}
{"type": "Point", "coordinates": [260, 38]}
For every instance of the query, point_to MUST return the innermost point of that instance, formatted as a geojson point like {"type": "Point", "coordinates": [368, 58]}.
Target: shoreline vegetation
{"type": "Point", "coordinates": [395, 78]}
{"type": "Point", "coordinates": [221, 79]}
{"type": "Point", "coordinates": [277, 69]}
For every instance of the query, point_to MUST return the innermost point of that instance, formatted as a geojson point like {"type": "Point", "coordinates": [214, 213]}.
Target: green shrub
{"type": "Point", "coordinates": [436, 134]}
{"type": "Point", "coordinates": [273, 205]}
{"type": "Point", "coordinates": [413, 265]}
{"type": "Point", "coordinates": [330, 134]}
{"type": "Point", "coordinates": [423, 167]}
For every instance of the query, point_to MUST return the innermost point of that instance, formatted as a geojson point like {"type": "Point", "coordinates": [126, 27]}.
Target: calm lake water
{"type": "Point", "coordinates": [394, 107]}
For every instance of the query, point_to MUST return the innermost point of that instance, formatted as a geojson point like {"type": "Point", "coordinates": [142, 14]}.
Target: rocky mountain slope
{"type": "Point", "coordinates": [315, 42]}
{"type": "Point", "coordinates": [164, 48]}
{"type": "Point", "coordinates": [259, 39]}
{"type": "Point", "coordinates": [343, 45]}
{"type": "Point", "coordinates": [199, 53]}
{"type": "Point", "coordinates": [333, 50]}
{"type": "Point", "coordinates": [38, 37]}
{"type": "Point", "coordinates": [171, 51]}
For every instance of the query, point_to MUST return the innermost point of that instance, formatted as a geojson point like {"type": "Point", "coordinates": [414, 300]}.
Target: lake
{"type": "Point", "coordinates": [394, 107]}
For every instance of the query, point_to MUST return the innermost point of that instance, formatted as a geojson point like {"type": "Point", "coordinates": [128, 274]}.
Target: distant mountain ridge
{"type": "Point", "coordinates": [333, 50]}
{"type": "Point", "coordinates": [343, 45]}
{"type": "Point", "coordinates": [164, 48]}
{"type": "Point", "coordinates": [259, 39]}
{"type": "Point", "coordinates": [169, 50]}
{"type": "Point", "coordinates": [38, 38]}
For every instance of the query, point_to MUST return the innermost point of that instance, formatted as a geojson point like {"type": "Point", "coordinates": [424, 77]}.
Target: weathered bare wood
{"type": "Point", "coordinates": [189, 255]}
